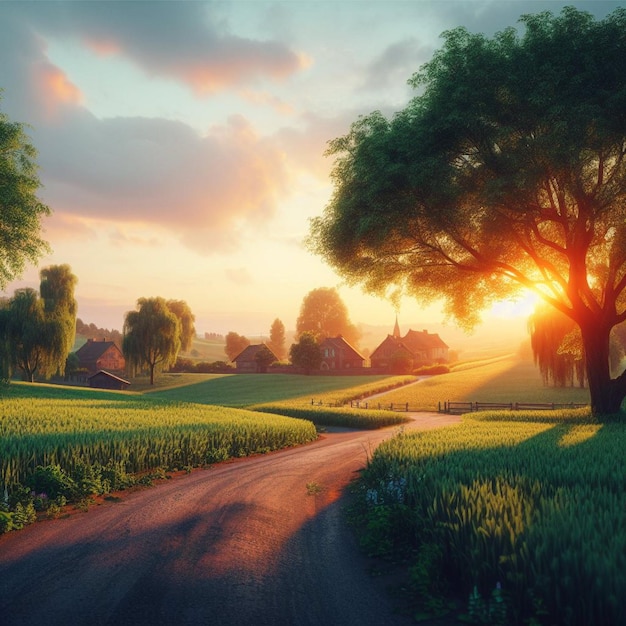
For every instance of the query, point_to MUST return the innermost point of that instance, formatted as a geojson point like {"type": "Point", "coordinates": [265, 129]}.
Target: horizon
{"type": "Point", "coordinates": [183, 156]}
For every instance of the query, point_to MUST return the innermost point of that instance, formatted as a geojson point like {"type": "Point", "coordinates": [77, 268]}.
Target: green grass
{"type": "Point", "coordinates": [502, 380]}
{"type": "Point", "coordinates": [245, 390]}
{"type": "Point", "coordinates": [533, 501]}
{"type": "Point", "coordinates": [47, 425]}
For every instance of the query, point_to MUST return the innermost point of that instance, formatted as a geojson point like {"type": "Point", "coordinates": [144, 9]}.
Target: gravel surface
{"type": "Point", "coordinates": [241, 543]}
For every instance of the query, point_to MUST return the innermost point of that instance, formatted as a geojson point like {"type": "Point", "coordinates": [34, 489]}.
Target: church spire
{"type": "Point", "coordinates": [396, 329]}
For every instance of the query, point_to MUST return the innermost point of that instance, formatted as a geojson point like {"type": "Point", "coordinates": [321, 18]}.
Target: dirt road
{"type": "Point", "coordinates": [242, 543]}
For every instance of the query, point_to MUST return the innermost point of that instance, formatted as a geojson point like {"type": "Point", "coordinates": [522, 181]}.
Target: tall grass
{"type": "Point", "coordinates": [535, 504]}
{"type": "Point", "coordinates": [69, 428]}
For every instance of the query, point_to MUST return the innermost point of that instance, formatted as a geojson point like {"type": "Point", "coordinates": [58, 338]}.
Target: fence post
{"type": "Point", "coordinates": [407, 407]}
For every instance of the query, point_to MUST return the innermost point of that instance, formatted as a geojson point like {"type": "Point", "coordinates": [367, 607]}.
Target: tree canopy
{"type": "Point", "coordinates": [324, 314]}
{"type": "Point", "coordinates": [506, 172]}
{"type": "Point", "coordinates": [278, 339]}
{"type": "Point", "coordinates": [151, 336]}
{"type": "Point", "coordinates": [306, 353]}
{"type": "Point", "coordinates": [235, 344]}
{"type": "Point", "coordinates": [39, 329]}
{"type": "Point", "coordinates": [21, 210]}
{"type": "Point", "coordinates": [187, 320]}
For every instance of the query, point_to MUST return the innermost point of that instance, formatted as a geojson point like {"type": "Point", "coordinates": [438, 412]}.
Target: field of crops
{"type": "Point", "coordinates": [72, 429]}
{"type": "Point", "coordinates": [521, 515]}
{"type": "Point", "coordinates": [502, 380]}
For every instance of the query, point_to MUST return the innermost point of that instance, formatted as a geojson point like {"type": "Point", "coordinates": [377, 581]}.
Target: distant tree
{"type": "Point", "coordinates": [306, 353]}
{"type": "Point", "coordinates": [186, 318]}
{"type": "Point", "coordinates": [151, 336]}
{"type": "Point", "coordinates": [506, 172]}
{"type": "Point", "coordinates": [235, 344]}
{"type": "Point", "coordinates": [277, 342]}
{"type": "Point", "coordinates": [557, 347]}
{"type": "Point", "coordinates": [37, 342]}
{"type": "Point", "coordinates": [57, 291]}
{"type": "Point", "coordinates": [21, 210]}
{"type": "Point", "coordinates": [324, 314]}
{"type": "Point", "coordinates": [264, 358]}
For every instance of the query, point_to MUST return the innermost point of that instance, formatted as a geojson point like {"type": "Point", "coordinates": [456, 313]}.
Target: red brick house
{"type": "Point", "coordinates": [415, 349]}
{"type": "Point", "coordinates": [338, 354]}
{"type": "Point", "coordinates": [249, 361]}
{"type": "Point", "coordinates": [96, 355]}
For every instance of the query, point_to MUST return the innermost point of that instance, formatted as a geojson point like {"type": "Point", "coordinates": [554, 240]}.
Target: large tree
{"type": "Point", "coordinates": [21, 210]}
{"type": "Point", "coordinates": [151, 336]}
{"type": "Point", "coordinates": [506, 172]}
{"type": "Point", "coordinates": [235, 344]}
{"type": "Point", "coordinates": [187, 319]}
{"type": "Point", "coordinates": [324, 314]}
{"type": "Point", "coordinates": [36, 340]}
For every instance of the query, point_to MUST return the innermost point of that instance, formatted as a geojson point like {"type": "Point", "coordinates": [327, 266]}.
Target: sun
{"type": "Point", "coordinates": [521, 307]}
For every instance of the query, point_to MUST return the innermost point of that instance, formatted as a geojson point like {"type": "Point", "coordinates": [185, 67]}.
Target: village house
{"type": "Point", "coordinates": [415, 349]}
{"type": "Point", "coordinates": [250, 361]}
{"type": "Point", "coordinates": [338, 354]}
{"type": "Point", "coordinates": [96, 355]}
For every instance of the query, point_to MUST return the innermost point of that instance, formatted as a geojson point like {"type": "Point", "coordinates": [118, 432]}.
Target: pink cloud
{"type": "Point", "coordinates": [55, 88]}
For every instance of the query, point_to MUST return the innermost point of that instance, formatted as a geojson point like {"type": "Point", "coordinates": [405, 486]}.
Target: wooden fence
{"type": "Point", "coordinates": [458, 408]}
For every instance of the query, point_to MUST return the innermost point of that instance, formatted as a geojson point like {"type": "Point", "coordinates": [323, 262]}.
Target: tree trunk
{"type": "Point", "coordinates": [152, 374]}
{"type": "Point", "coordinates": [605, 393]}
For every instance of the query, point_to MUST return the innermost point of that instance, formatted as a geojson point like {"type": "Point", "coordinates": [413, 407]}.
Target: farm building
{"type": "Point", "coordinates": [338, 354]}
{"type": "Point", "coordinates": [106, 380]}
{"type": "Point", "coordinates": [415, 349]}
{"type": "Point", "coordinates": [96, 355]}
{"type": "Point", "coordinates": [252, 360]}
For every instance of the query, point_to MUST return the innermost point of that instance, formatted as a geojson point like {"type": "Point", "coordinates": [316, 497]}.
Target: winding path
{"type": "Point", "coordinates": [241, 543]}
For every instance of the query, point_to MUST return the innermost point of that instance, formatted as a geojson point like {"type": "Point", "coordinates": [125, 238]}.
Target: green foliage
{"type": "Point", "coordinates": [152, 336]}
{"type": "Point", "coordinates": [505, 173]}
{"type": "Point", "coordinates": [21, 210]}
{"type": "Point", "coordinates": [186, 321]}
{"type": "Point", "coordinates": [306, 353]}
{"type": "Point", "coordinates": [535, 503]}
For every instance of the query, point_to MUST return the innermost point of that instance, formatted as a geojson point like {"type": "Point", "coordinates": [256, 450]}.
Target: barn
{"type": "Point", "coordinates": [106, 380]}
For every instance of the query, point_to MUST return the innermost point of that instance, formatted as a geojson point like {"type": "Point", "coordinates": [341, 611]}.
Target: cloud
{"type": "Point", "coordinates": [396, 64]}
{"type": "Point", "coordinates": [207, 190]}
{"type": "Point", "coordinates": [240, 276]}
{"type": "Point", "coordinates": [190, 42]}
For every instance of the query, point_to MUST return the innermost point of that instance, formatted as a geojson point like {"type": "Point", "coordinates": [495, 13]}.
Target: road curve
{"type": "Point", "coordinates": [241, 543]}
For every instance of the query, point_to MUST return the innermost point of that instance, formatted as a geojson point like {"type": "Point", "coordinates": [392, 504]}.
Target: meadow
{"type": "Point", "coordinates": [506, 379]}
{"type": "Point", "coordinates": [71, 443]}
{"type": "Point", "coordinates": [518, 516]}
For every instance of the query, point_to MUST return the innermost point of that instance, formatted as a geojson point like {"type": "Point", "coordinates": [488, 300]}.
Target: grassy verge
{"type": "Point", "coordinates": [522, 517]}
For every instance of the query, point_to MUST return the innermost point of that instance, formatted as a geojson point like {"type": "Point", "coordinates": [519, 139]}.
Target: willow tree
{"type": "Point", "coordinates": [557, 347]}
{"type": "Point", "coordinates": [57, 292]}
{"type": "Point", "coordinates": [151, 336]}
{"type": "Point", "coordinates": [506, 172]}
{"type": "Point", "coordinates": [187, 322]}
{"type": "Point", "coordinates": [36, 341]}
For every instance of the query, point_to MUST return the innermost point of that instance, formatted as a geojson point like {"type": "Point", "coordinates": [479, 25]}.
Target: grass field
{"type": "Point", "coordinates": [522, 515]}
{"type": "Point", "coordinates": [502, 380]}
{"type": "Point", "coordinates": [244, 390]}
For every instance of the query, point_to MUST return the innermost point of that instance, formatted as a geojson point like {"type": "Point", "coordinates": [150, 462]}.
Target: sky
{"type": "Point", "coordinates": [181, 144]}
